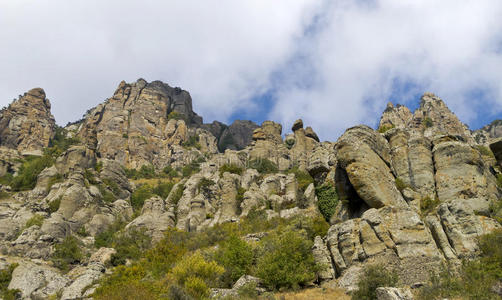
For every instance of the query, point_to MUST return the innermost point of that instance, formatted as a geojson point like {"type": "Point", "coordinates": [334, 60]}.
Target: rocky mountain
{"type": "Point", "coordinates": [488, 133]}
{"type": "Point", "coordinates": [141, 200]}
{"type": "Point", "coordinates": [27, 124]}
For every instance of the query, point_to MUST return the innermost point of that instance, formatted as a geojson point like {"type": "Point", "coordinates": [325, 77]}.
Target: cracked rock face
{"type": "Point", "coordinates": [142, 124]}
{"type": "Point", "coordinates": [27, 123]}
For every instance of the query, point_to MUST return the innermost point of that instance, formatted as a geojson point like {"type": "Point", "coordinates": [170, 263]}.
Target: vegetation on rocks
{"type": "Point", "coordinates": [285, 260]}
{"type": "Point", "coordinates": [302, 177]}
{"type": "Point", "coordinates": [327, 200]}
{"type": "Point", "coordinates": [385, 128]}
{"type": "Point", "coordinates": [193, 141]}
{"type": "Point", "coordinates": [263, 165]}
{"type": "Point", "coordinates": [67, 253]}
{"type": "Point", "coordinates": [35, 220]}
{"type": "Point", "coordinates": [231, 168]}
{"type": "Point", "coordinates": [475, 279]}
{"type": "Point", "coordinates": [373, 277]}
{"type": "Point", "coordinates": [5, 278]}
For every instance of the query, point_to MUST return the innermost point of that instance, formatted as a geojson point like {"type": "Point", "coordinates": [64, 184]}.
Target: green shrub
{"type": "Point", "coordinates": [127, 283]}
{"type": "Point", "coordinates": [263, 166]}
{"type": "Point", "coordinates": [427, 122]}
{"type": "Point", "coordinates": [90, 177]}
{"type": "Point", "coordinates": [170, 172]}
{"type": "Point", "coordinates": [161, 259]}
{"type": "Point", "coordinates": [6, 179]}
{"type": "Point", "coordinates": [37, 220]}
{"type": "Point", "coordinates": [193, 141]}
{"type": "Point", "coordinates": [98, 167]}
{"type": "Point", "coordinates": [285, 260]}
{"type": "Point", "coordinates": [4, 195]}
{"type": "Point", "coordinates": [113, 186]}
{"type": "Point", "coordinates": [327, 199]}
{"type": "Point", "coordinates": [239, 198]}
{"type": "Point", "coordinates": [427, 204]}
{"type": "Point", "coordinates": [236, 256]}
{"type": "Point", "coordinates": [54, 205]}
{"type": "Point", "coordinates": [32, 166]}
{"type": "Point", "coordinates": [106, 195]}
{"type": "Point", "coordinates": [484, 150]}
{"type": "Point", "coordinates": [163, 189]}
{"type": "Point", "coordinates": [373, 277]}
{"type": "Point", "coordinates": [146, 171]}
{"type": "Point", "coordinates": [196, 275]}
{"type": "Point", "coordinates": [400, 184]}
{"type": "Point", "coordinates": [129, 245]}
{"type": "Point", "coordinates": [53, 180]}
{"type": "Point", "coordinates": [499, 180]}
{"type": "Point", "coordinates": [138, 197]}
{"type": "Point", "coordinates": [5, 278]}
{"type": "Point", "coordinates": [67, 253]}
{"type": "Point", "coordinates": [125, 135]}
{"type": "Point", "coordinates": [177, 194]}
{"type": "Point", "coordinates": [105, 238]}
{"type": "Point", "coordinates": [385, 127]}
{"type": "Point", "coordinates": [302, 177]}
{"type": "Point", "coordinates": [176, 116]}
{"type": "Point", "coordinates": [231, 168]}
{"type": "Point", "coordinates": [204, 185]}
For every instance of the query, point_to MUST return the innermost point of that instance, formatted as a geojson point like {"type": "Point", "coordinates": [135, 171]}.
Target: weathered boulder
{"type": "Point", "coordinates": [462, 174]}
{"type": "Point", "coordinates": [155, 218]}
{"type": "Point", "coordinates": [322, 258]}
{"type": "Point", "coordinates": [27, 123]}
{"type": "Point", "coordinates": [36, 281]}
{"type": "Point", "coordinates": [365, 157]}
{"type": "Point", "coordinates": [396, 236]}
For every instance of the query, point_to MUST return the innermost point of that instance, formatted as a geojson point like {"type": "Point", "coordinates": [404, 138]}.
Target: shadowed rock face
{"type": "Point", "coordinates": [237, 136]}
{"type": "Point", "coordinates": [27, 124]}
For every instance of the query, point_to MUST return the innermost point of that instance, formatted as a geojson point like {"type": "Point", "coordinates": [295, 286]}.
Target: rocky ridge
{"type": "Point", "coordinates": [414, 194]}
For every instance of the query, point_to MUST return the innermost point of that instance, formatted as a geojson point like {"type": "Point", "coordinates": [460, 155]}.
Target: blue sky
{"type": "Point", "coordinates": [334, 64]}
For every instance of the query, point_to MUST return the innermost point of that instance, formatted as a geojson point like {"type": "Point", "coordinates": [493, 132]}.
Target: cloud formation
{"type": "Point", "coordinates": [364, 53]}
{"type": "Point", "coordinates": [333, 63]}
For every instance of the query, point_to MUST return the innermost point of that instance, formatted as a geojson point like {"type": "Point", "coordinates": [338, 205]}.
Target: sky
{"type": "Point", "coordinates": [335, 64]}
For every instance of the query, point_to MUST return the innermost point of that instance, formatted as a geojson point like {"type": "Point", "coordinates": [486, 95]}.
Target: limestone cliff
{"type": "Point", "coordinates": [27, 124]}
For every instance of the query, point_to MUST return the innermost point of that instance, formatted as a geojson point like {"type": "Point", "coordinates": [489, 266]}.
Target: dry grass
{"type": "Point", "coordinates": [314, 294]}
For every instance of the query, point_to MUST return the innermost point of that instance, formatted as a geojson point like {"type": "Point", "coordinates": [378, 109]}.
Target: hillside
{"type": "Point", "coordinates": [140, 199]}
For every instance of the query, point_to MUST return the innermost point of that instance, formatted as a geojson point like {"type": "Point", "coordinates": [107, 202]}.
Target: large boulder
{"type": "Point", "coordinates": [364, 156]}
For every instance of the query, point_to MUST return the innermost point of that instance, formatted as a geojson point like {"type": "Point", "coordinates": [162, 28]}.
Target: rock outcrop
{"type": "Point", "coordinates": [488, 133]}
{"type": "Point", "coordinates": [27, 123]}
{"type": "Point", "coordinates": [413, 195]}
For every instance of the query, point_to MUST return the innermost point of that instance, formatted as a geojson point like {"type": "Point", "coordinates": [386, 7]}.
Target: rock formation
{"type": "Point", "coordinates": [27, 124]}
{"type": "Point", "coordinates": [414, 194]}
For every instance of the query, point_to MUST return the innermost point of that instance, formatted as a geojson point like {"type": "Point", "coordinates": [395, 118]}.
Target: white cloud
{"type": "Point", "coordinates": [448, 47]}
{"type": "Point", "coordinates": [333, 63]}
{"type": "Point", "coordinates": [222, 52]}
